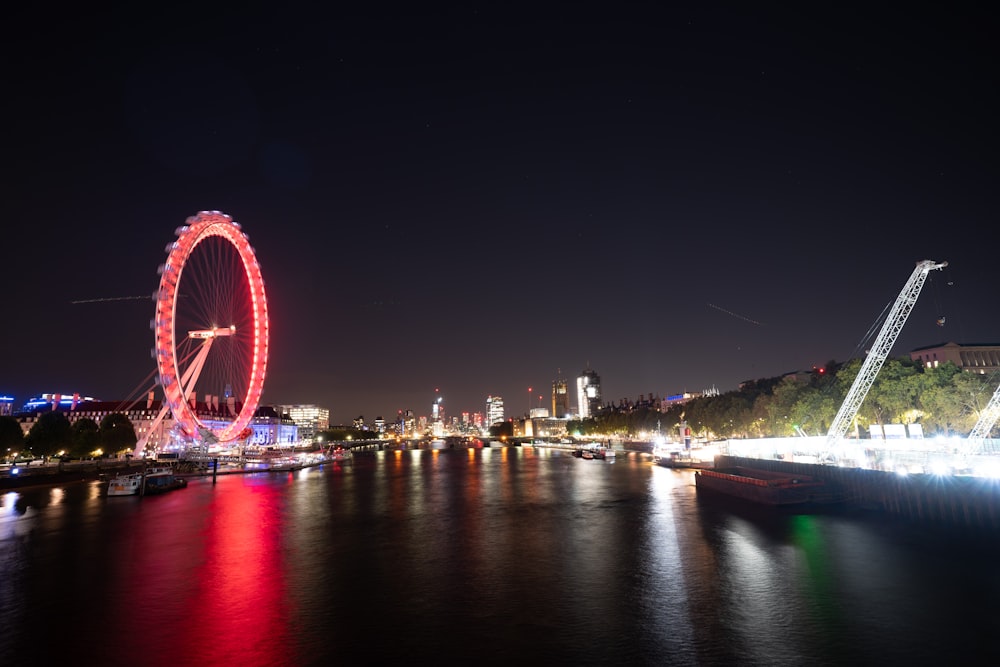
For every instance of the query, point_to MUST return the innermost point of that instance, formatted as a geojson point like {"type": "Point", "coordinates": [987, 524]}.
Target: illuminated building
{"type": "Point", "coordinates": [560, 398]}
{"type": "Point", "coordinates": [272, 427]}
{"type": "Point", "coordinates": [588, 393]}
{"type": "Point", "coordinates": [269, 425]}
{"type": "Point", "coordinates": [66, 401]}
{"type": "Point", "coordinates": [311, 419]}
{"type": "Point", "coordinates": [406, 423]}
{"type": "Point", "coordinates": [982, 359]}
{"type": "Point", "coordinates": [494, 410]}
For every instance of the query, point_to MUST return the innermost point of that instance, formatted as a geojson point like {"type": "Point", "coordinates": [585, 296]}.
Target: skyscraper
{"type": "Point", "coordinates": [588, 393]}
{"type": "Point", "coordinates": [494, 410]}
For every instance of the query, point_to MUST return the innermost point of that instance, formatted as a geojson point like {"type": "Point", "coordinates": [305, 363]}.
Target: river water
{"type": "Point", "coordinates": [479, 557]}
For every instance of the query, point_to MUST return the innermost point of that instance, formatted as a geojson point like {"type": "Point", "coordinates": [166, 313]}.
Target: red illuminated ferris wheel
{"type": "Point", "coordinates": [211, 329]}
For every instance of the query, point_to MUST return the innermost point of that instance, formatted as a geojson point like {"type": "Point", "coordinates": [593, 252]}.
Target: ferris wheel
{"type": "Point", "coordinates": [211, 330]}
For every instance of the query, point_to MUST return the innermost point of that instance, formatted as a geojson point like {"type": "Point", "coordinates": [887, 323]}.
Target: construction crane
{"type": "Point", "coordinates": [880, 350]}
{"type": "Point", "coordinates": [987, 418]}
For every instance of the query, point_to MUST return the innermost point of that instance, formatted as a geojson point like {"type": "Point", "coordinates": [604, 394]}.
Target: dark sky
{"type": "Point", "coordinates": [476, 199]}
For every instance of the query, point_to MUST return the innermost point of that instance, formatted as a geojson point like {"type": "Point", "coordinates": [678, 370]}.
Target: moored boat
{"type": "Point", "coordinates": [149, 482]}
{"type": "Point", "coordinates": [125, 485]}
{"type": "Point", "coordinates": [604, 453]}
{"type": "Point", "coordinates": [671, 455]}
{"type": "Point", "coordinates": [679, 460]}
{"type": "Point", "coordinates": [162, 480]}
{"type": "Point", "coordinates": [767, 488]}
{"type": "Point", "coordinates": [339, 453]}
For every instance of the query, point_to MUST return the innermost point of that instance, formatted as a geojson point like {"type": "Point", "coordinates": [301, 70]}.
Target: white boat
{"type": "Point", "coordinates": [125, 485]}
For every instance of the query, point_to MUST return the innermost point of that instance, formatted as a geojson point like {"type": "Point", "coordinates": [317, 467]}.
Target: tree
{"type": "Point", "coordinates": [952, 405]}
{"type": "Point", "coordinates": [893, 392]}
{"type": "Point", "coordinates": [86, 437]}
{"type": "Point", "coordinates": [781, 412]}
{"type": "Point", "coordinates": [345, 434]}
{"type": "Point", "coordinates": [11, 435]}
{"type": "Point", "coordinates": [117, 434]}
{"type": "Point", "coordinates": [504, 429]}
{"type": "Point", "coordinates": [50, 434]}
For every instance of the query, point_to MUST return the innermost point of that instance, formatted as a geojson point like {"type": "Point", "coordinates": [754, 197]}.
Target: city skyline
{"type": "Point", "coordinates": [479, 200]}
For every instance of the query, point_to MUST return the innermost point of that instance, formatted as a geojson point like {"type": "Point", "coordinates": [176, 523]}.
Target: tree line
{"type": "Point", "coordinates": [943, 400]}
{"type": "Point", "coordinates": [52, 434]}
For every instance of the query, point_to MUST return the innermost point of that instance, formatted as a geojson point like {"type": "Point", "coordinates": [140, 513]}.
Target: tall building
{"type": "Point", "coordinates": [311, 419]}
{"type": "Point", "coordinates": [407, 421]}
{"type": "Point", "coordinates": [494, 410]}
{"type": "Point", "coordinates": [560, 398]}
{"type": "Point", "coordinates": [588, 393]}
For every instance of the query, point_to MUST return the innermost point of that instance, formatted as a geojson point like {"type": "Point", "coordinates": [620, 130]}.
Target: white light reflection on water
{"type": "Point", "coordinates": [664, 601]}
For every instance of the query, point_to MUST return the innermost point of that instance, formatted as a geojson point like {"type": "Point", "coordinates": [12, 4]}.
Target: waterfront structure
{"type": "Point", "coordinates": [268, 425]}
{"type": "Point", "coordinates": [310, 419]}
{"type": "Point", "coordinates": [272, 427]}
{"type": "Point", "coordinates": [588, 393]}
{"type": "Point", "coordinates": [494, 410]}
{"type": "Point", "coordinates": [543, 426]}
{"type": "Point", "coordinates": [974, 358]}
{"type": "Point", "coordinates": [141, 415]}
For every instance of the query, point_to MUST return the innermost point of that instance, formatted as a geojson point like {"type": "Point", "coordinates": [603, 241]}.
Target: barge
{"type": "Point", "coordinates": [767, 488]}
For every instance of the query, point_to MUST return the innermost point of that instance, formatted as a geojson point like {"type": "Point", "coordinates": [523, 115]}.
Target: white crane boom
{"type": "Point", "coordinates": [987, 418]}
{"type": "Point", "coordinates": [880, 350]}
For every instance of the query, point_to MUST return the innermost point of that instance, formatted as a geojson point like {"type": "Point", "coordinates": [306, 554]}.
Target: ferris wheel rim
{"type": "Point", "coordinates": [204, 225]}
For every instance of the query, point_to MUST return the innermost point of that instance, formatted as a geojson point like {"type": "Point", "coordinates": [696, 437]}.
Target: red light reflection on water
{"type": "Point", "coordinates": [210, 588]}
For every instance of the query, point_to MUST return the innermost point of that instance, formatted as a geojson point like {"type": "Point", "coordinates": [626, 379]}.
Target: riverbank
{"type": "Point", "coordinates": [91, 471]}
{"type": "Point", "coordinates": [17, 477]}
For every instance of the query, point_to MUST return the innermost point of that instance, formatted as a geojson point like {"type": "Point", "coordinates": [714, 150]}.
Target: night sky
{"type": "Point", "coordinates": [478, 198]}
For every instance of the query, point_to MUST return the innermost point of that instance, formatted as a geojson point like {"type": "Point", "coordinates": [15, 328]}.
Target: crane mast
{"type": "Point", "coordinates": [880, 350]}
{"type": "Point", "coordinates": [987, 418]}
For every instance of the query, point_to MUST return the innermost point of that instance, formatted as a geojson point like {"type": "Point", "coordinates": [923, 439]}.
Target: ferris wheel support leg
{"type": "Point", "coordinates": [194, 370]}
{"type": "Point", "coordinates": [140, 446]}
{"type": "Point", "coordinates": [187, 384]}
